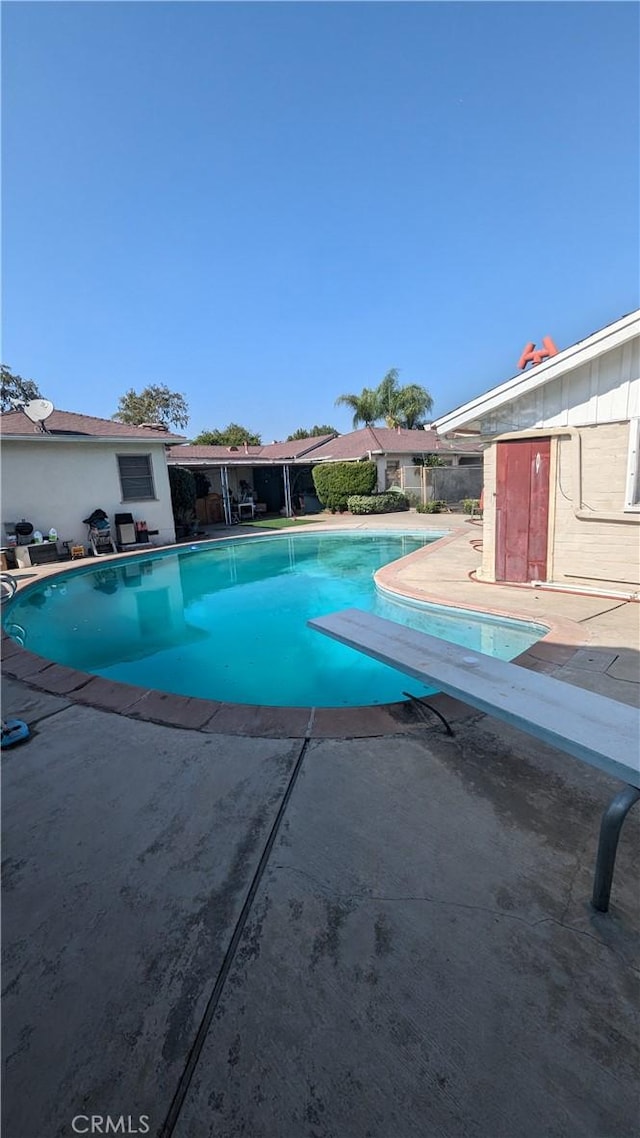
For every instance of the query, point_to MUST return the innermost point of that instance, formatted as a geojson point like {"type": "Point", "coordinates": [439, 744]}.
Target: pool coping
{"type": "Point", "coordinates": [552, 651]}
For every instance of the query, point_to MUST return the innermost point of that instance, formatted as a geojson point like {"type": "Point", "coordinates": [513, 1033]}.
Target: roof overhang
{"type": "Point", "coordinates": [245, 461]}
{"type": "Point", "coordinates": [470, 415]}
{"type": "Point", "coordinates": [62, 437]}
{"type": "Point", "coordinates": [341, 458]}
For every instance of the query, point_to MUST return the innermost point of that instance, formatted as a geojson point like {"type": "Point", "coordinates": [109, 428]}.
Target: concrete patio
{"type": "Point", "coordinates": [312, 934]}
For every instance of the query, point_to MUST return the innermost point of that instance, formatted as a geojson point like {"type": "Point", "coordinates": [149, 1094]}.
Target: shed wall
{"type": "Point", "coordinates": [589, 551]}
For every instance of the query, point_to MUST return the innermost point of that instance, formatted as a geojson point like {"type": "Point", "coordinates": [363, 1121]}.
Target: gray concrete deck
{"type": "Point", "coordinates": [376, 937]}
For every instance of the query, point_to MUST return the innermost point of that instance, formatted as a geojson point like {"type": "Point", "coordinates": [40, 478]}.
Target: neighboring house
{"type": "Point", "coordinates": [561, 481]}
{"type": "Point", "coordinates": [398, 452]}
{"type": "Point", "coordinates": [56, 473]}
{"type": "Point", "coordinates": [278, 472]}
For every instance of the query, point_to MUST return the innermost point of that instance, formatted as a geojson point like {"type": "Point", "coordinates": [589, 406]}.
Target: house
{"type": "Point", "coordinates": [275, 473]}
{"type": "Point", "coordinates": [561, 481]}
{"type": "Point", "coordinates": [56, 472]}
{"type": "Point", "coordinates": [399, 455]}
{"type": "Point", "coordinates": [280, 472]}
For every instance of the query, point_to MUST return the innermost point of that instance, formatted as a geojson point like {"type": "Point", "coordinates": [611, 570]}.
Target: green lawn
{"type": "Point", "coordinates": [281, 523]}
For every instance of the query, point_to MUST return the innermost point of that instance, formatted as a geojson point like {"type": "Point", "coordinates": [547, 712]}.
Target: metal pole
{"type": "Point", "coordinates": [287, 492]}
{"type": "Point", "coordinates": [610, 828]}
{"type": "Point", "coordinates": [226, 500]}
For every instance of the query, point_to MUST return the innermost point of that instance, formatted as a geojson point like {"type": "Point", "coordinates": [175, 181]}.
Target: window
{"type": "Point", "coordinates": [632, 501]}
{"type": "Point", "coordinates": [136, 477]}
{"type": "Point", "coordinates": [392, 474]}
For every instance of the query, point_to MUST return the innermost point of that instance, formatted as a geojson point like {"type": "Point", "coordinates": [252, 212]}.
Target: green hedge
{"type": "Point", "coordinates": [336, 482]}
{"type": "Point", "coordinates": [377, 503]}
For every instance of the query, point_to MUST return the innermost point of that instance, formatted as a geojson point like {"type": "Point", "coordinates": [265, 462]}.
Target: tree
{"type": "Point", "coordinates": [303, 433]}
{"type": "Point", "coordinates": [232, 436]}
{"type": "Point", "coordinates": [398, 406]}
{"type": "Point", "coordinates": [16, 390]}
{"type": "Point", "coordinates": [365, 406]}
{"type": "Point", "coordinates": [415, 402]}
{"type": "Point", "coordinates": [182, 485]}
{"type": "Point", "coordinates": [389, 399]}
{"type": "Point", "coordinates": [154, 404]}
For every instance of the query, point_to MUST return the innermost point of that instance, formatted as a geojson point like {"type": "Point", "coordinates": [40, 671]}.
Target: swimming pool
{"type": "Point", "coordinates": [227, 621]}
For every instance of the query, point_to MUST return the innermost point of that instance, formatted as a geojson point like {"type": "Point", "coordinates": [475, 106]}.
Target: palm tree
{"type": "Point", "coordinates": [415, 404]}
{"type": "Point", "coordinates": [390, 399]}
{"type": "Point", "coordinates": [365, 406]}
{"type": "Point", "coordinates": [398, 406]}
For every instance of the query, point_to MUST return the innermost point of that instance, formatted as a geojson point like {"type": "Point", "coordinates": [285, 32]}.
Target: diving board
{"type": "Point", "coordinates": [588, 726]}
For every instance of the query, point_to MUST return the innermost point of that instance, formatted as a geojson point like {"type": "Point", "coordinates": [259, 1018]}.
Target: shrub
{"type": "Point", "coordinates": [469, 505]}
{"type": "Point", "coordinates": [413, 498]}
{"type": "Point", "coordinates": [433, 507]}
{"type": "Point", "coordinates": [335, 482]}
{"type": "Point", "coordinates": [183, 494]}
{"type": "Point", "coordinates": [427, 460]}
{"type": "Point", "coordinates": [377, 503]}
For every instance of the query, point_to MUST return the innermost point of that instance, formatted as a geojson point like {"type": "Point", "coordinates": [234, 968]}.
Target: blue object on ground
{"type": "Point", "coordinates": [13, 731]}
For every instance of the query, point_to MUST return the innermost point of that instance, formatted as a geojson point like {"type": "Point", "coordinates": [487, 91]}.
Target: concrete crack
{"type": "Point", "coordinates": [193, 1057]}
{"type": "Point", "coordinates": [49, 715]}
{"type": "Point", "coordinates": [487, 911]}
{"type": "Point", "coordinates": [572, 882]}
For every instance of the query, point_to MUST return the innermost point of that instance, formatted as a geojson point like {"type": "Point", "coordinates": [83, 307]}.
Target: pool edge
{"type": "Point", "coordinates": [548, 654]}
{"type": "Point", "coordinates": [214, 717]}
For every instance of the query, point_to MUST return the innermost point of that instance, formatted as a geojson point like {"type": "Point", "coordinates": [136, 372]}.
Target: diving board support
{"type": "Point", "coordinates": [600, 731]}
{"type": "Point", "coordinates": [610, 828]}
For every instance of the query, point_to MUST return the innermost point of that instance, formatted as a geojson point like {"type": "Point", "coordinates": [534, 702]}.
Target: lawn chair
{"type": "Point", "coordinates": [99, 533]}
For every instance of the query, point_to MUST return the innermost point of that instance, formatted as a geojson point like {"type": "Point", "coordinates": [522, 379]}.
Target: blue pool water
{"type": "Point", "coordinates": [227, 621]}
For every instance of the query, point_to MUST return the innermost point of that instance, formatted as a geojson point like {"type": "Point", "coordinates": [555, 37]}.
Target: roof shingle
{"type": "Point", "coordinates": [269, 452]}
{"type": "Point", "coordinates": [385, 440]}
{"type": "Point", "coordinates": [16, 423]}
{"type": "Point", "coordinates": [353, 446]}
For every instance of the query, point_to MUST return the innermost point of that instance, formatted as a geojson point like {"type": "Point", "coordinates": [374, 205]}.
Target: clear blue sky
{"type": "Point", "coordinates": [267, 205]}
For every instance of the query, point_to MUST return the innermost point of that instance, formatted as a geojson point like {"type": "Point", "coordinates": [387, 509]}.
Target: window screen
{"type": "Point", "coordinates": [136, 477]}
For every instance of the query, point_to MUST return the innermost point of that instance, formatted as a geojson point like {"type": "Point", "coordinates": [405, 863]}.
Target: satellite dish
{"type": "Point", "coordinates": [38, 410]}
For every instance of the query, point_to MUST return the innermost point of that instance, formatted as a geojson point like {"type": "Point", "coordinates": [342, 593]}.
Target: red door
{"type": "Point", "coordinates": [522, 510]}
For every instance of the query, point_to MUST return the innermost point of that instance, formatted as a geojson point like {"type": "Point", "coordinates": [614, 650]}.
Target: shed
{"type": "Point", "coordinates": [561, 474]}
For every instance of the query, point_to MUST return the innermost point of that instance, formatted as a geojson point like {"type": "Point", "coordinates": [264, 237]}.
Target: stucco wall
{"type": "Point", "coordinates": [53, 483]}
{"type": "Point", "coordinates": [592, 551]}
